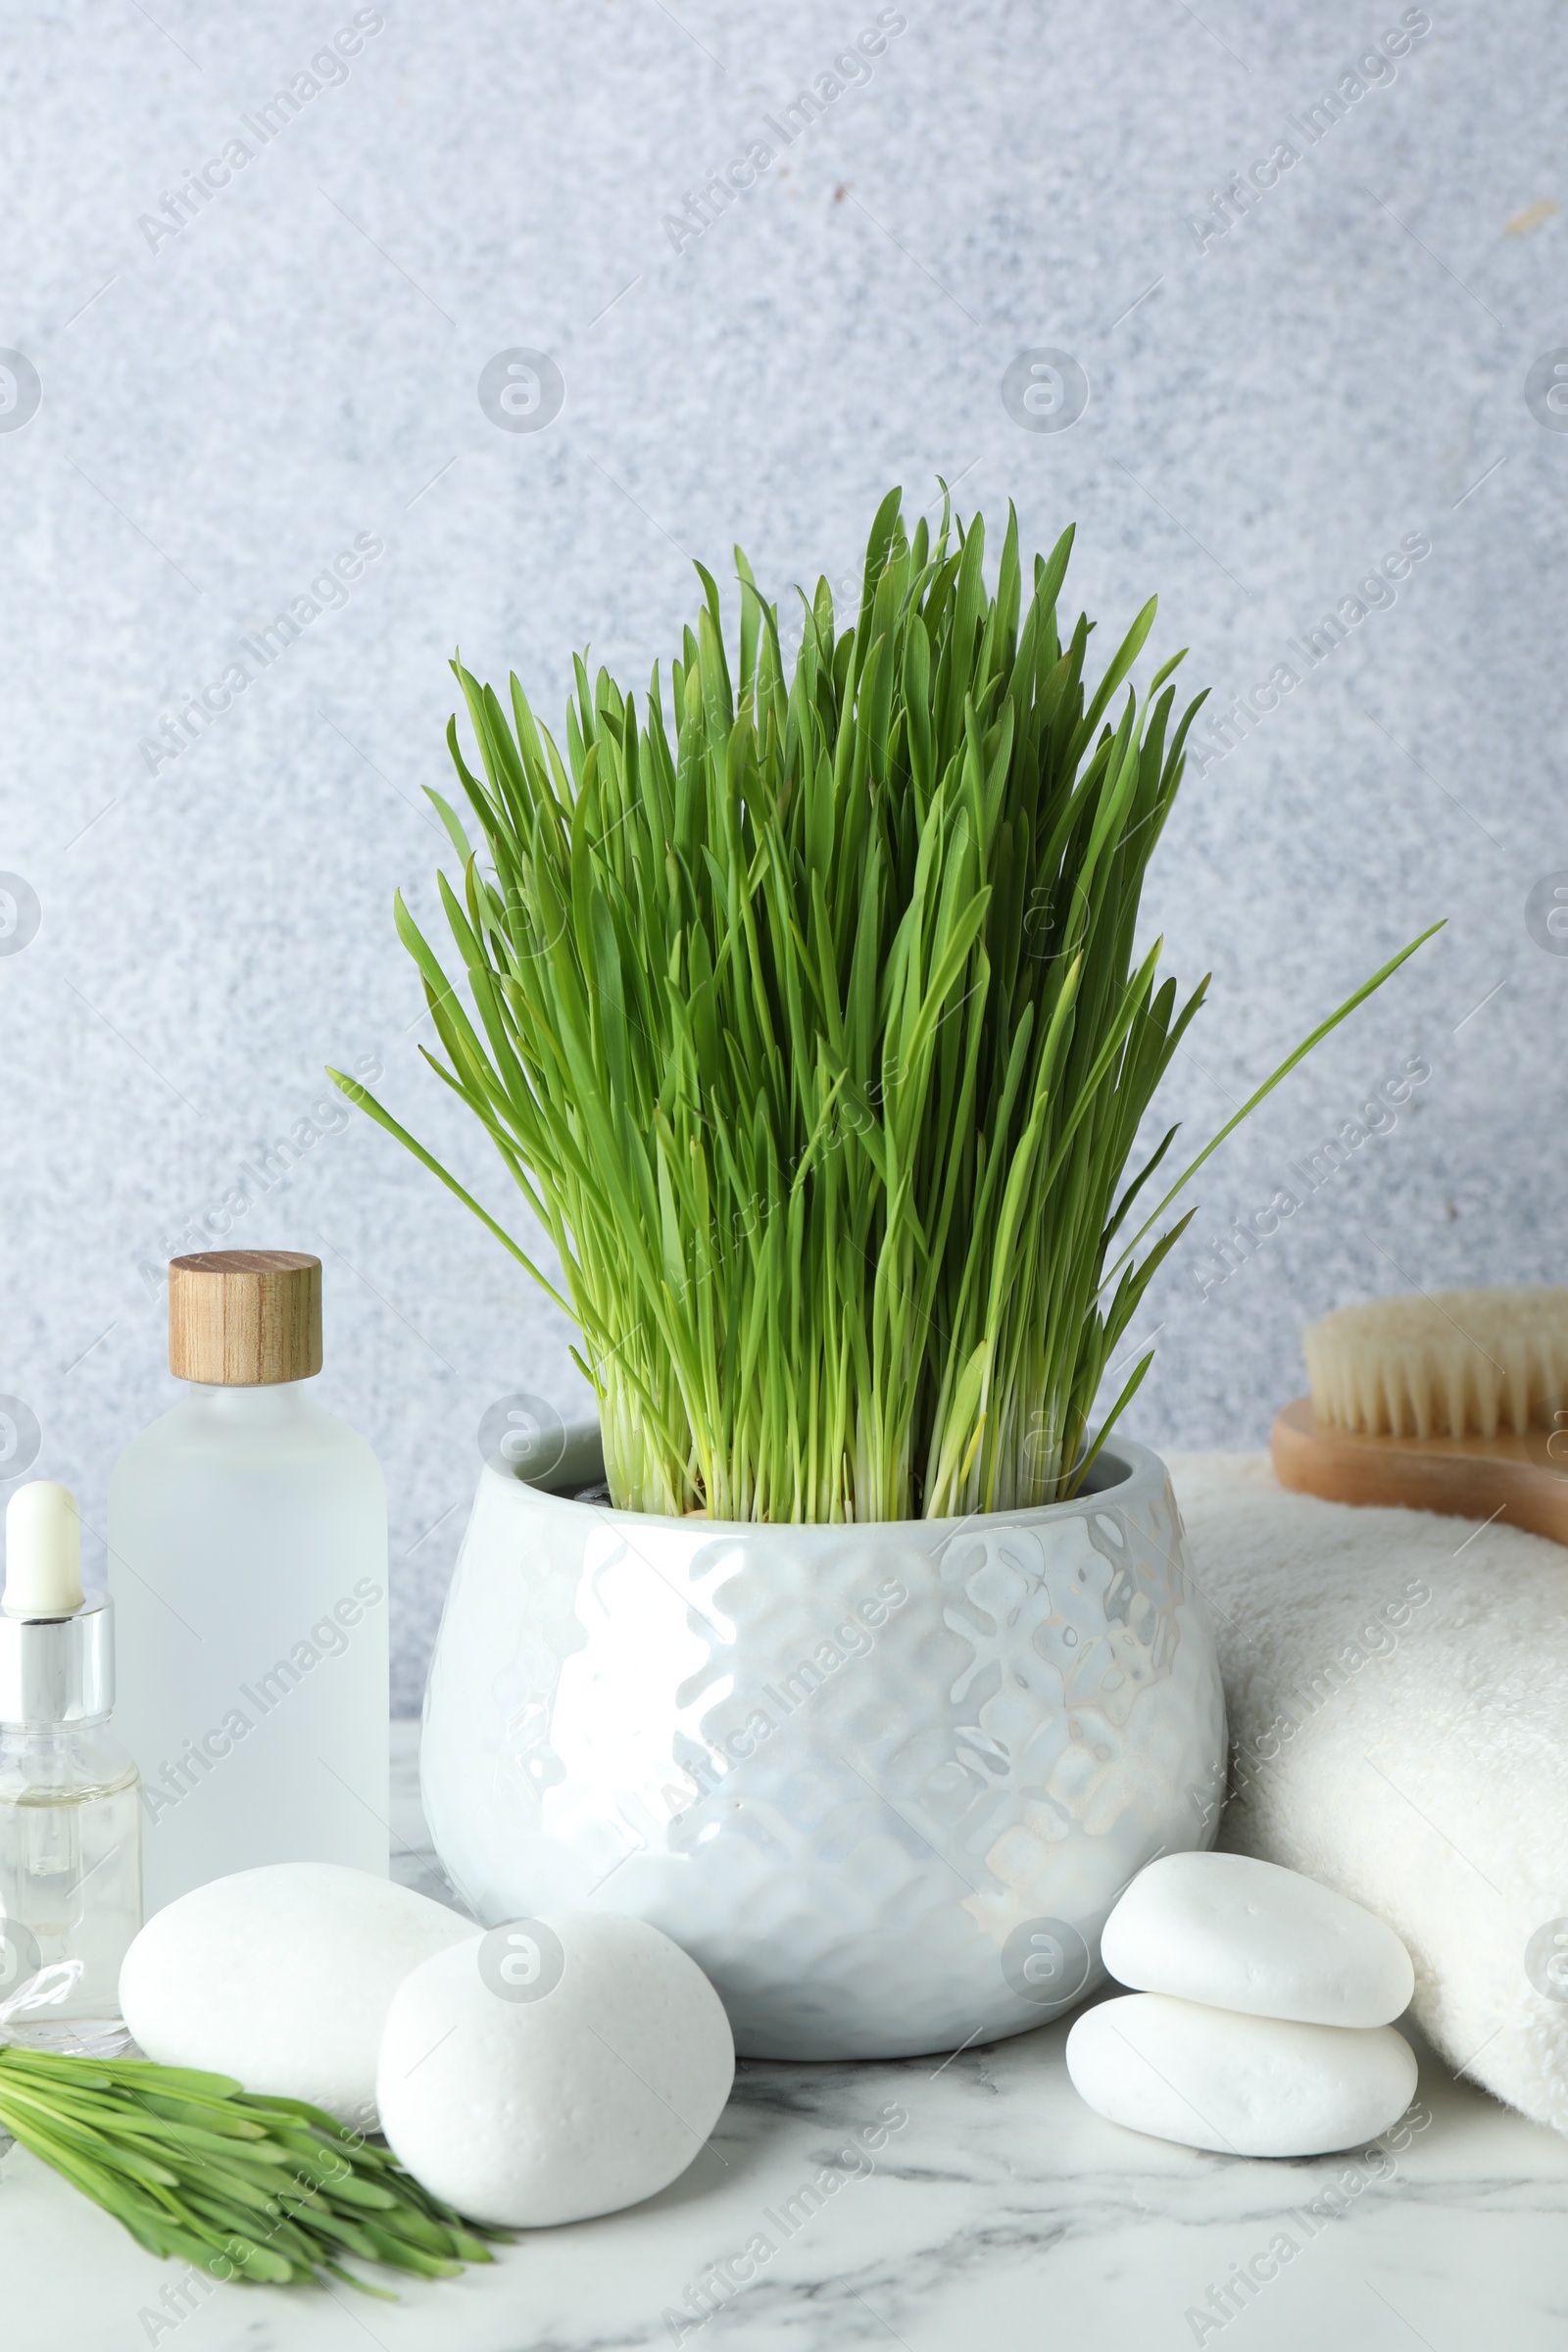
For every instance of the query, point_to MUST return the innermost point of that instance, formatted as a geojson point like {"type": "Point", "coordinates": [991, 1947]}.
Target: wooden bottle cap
{"type": "Point", "coordinates": [245, 1319]}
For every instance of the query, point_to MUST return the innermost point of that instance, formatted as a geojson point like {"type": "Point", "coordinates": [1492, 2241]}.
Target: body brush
{"type": "Point", "coordinates": [1455, 1401]}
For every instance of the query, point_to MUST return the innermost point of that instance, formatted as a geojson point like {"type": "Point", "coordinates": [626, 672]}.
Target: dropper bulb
{"type": "Point", "coordinates": [43, 1551]}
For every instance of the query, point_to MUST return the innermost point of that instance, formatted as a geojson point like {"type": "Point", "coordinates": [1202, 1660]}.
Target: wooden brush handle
{"type": "Point", "coordinates": [1513, 1479]}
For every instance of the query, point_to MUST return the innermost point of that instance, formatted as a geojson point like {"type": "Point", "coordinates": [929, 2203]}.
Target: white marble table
{"type": "Point", "coordinates": [1000, 2214]}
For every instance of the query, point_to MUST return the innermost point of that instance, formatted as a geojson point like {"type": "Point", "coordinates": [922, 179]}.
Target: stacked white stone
{"type": "Point", "coordinates": [1261, 2019]}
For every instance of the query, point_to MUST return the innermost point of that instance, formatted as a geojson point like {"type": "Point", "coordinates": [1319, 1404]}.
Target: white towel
{"type": "Point", "coordinates": [1397, 1691]}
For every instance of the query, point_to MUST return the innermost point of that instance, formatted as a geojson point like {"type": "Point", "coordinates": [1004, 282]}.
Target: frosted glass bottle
{"type": "Point", "coordinates": [247, 1558]}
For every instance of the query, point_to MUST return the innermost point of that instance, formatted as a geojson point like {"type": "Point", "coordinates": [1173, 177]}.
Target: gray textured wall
{"type": "Point", "coordinates": [1274, 407]}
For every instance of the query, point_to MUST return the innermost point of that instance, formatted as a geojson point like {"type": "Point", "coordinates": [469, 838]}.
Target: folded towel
{"type": "Point", "coordinates": [1397, 1692]}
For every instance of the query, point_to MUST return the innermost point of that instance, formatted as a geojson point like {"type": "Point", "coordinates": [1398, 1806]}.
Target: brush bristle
{"type": "Point", "coordinates": [1456, 1362]}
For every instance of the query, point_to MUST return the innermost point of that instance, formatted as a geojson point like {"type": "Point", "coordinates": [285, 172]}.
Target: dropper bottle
{"type": "Point", "coordinates": [70, 1818]}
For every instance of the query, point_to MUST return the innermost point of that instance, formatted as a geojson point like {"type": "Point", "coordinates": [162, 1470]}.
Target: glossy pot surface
{"type": "Point", "coordinates": [883, 1783]}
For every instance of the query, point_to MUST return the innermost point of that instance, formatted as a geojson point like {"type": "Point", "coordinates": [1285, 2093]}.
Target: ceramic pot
{"type": "Point", "coordinates": [883, 1783]}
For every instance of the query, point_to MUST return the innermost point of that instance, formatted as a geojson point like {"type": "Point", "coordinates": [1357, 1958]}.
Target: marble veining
{"type": "Point", "coordinates": [999, 2212]}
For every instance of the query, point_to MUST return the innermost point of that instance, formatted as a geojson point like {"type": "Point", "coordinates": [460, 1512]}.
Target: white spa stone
{"type": "Point", "coordinates": [1244, 2085]}
{"type": "Point", "coordinates": [554, 2069]}
{"type": "Point", "coordinates": [1237, 1933]}
{"type": "Point", "coordinates": [281, 1976]}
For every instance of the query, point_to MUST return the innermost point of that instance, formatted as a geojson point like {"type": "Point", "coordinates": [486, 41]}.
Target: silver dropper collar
{"type": "Point", "coordinates": [57, 1670]}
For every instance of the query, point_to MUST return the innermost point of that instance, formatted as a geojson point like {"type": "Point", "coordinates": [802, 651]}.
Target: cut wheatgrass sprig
{"type": "Point", "coordinates": [804, 1010]}
{"type": "Point", "coordinates": [239, 2187]}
